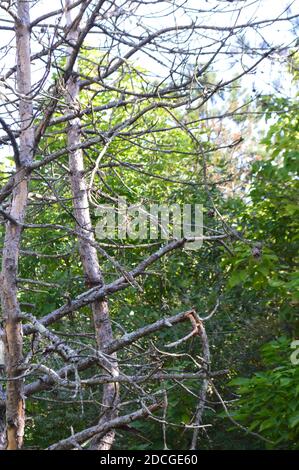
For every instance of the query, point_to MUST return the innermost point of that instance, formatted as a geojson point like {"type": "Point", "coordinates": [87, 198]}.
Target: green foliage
{"type": "Point", "coordinates": [269, 217]}
{"type": "Point", "coordinates": [268, 270]}
{"type": "Point", "coordinates": [268, 402]}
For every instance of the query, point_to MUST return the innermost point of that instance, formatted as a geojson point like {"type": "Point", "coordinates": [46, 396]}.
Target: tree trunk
{"type": "Point", "coordinates": [88, 253]}
{"type": "Point", "coordinates": [15, 407]}
{"type": "Point", "coordinates": [2, 395]}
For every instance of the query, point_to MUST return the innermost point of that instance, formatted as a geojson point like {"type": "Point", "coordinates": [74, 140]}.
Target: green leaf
{"type": "Point", "coordinates": [237, 278]}
{"type": "Point", "coordinates": [294, 421]}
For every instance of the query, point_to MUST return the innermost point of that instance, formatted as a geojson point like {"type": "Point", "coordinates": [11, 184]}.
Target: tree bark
{"type": "Point", "coordinates": [13, 338]}
{"type": "Point", "coordinates": [88, 253]}
{"type": "Point", "coordinates": [2, 395]}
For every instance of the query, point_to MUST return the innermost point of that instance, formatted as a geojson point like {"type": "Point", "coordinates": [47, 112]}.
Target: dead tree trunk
{"type": "Point", "coordinates": [88, 253]}
{"type": "Point", "coordinates": [2, 395]}
{"type": "Point", "coordinates": [15, 408]}
{"type": "Point", "coordinates": [2, 420]}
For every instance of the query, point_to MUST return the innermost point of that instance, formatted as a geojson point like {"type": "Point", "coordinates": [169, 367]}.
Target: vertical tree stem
{"type": "Point", "coordinates": [88, 253]}
{"type": "Point", "coordinates": [13, 338]}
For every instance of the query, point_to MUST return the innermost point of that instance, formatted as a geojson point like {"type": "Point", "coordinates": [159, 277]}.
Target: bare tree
{"type": "Point", "coordinates": [88, 78]}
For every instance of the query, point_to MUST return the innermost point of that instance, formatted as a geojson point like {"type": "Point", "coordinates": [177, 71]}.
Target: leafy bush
{"type": "Point", "coordinates": [268, 402]}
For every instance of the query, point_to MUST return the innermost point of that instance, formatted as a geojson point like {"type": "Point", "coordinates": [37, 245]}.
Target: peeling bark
{"type": "Point", "coordinates": [88, 253]}
{"type": "Point", "coordinates": [2, 395]}
{"type": "Point", "coordinates": [13, 338]}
